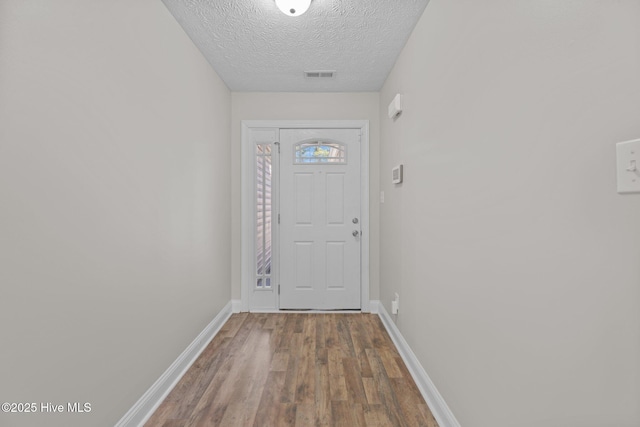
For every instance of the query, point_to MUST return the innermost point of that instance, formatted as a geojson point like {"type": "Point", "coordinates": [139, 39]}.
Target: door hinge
{"type": "Point", "coordinates": [278, 289]}
{"type": "Point", "coordinates": [278, 144]}
{"type": "Point", "coordinates": [278, 218]}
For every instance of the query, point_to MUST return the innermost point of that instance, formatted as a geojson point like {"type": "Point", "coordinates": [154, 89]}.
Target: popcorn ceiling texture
{"type": "Point", "coordinates": [255, 47]}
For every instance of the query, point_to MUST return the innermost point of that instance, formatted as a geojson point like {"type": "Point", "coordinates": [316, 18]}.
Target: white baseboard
{"type": "Point", "coordinates": [438, 406]}
{"type": "Point", "coordinates": [236, 306]}
{"type": "Point", "coordinates": [373, 306]}
{"type": "Point", "coordinates": [142, 410]}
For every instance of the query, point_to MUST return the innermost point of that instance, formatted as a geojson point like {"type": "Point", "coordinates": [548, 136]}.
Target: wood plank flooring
{"type": "Point", "coordinates": [292, 369]}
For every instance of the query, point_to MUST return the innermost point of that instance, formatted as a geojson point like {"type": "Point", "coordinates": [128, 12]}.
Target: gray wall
{"type": "Point", "coordinates": [516, 262]}
{"type": "Point", "coordinates": [304, 106]}
{"type": "Point", "coordinates": [114, 202]}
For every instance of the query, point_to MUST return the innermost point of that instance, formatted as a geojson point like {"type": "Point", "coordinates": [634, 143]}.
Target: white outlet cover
{"type": "Point", "coordinates": [628, 166]}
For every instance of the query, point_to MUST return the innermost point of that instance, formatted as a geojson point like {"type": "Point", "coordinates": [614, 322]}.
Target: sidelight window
{"type": "Point", "coordinates": [263, 216]}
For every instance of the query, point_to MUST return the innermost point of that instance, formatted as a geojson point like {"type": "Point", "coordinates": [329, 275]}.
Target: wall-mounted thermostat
{"type": "Point", "coordinates": [396, 174]}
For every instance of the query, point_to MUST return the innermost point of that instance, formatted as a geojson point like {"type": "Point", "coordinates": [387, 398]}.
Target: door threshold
{"type": "Point", "coordinates": [303, 311]}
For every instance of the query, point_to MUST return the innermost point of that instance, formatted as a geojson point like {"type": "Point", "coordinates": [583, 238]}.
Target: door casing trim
{"type": "Point", "coordinates": [247, 171]}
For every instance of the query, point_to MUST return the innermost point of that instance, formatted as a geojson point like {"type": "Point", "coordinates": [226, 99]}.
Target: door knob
{"type": "Point", "coordinates": [354, 220]}
{"type": "Point", "coordinates": [355, 233]}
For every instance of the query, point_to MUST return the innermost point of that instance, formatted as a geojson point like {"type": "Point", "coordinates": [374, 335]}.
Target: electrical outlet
{"type": "Point", "coordinates": [395, 304]}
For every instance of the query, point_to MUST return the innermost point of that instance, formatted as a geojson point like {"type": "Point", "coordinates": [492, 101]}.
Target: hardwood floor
{"type": "Point", "coordinates": [297, 370]}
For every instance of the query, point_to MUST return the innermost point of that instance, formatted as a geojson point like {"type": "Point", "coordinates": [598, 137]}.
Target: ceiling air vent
{"type": "Point", "coordinates": [325, 74]}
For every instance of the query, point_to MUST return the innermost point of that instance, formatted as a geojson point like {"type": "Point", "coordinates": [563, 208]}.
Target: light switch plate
{"type": "Point", "coordinates": [628, 166]}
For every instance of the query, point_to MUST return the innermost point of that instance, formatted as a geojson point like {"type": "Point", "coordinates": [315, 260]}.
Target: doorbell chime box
{"type": "Point", "coordinates": [395, 107]}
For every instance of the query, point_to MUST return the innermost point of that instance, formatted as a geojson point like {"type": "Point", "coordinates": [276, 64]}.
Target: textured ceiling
{"type": "Point", "coordinates": [255, 47]}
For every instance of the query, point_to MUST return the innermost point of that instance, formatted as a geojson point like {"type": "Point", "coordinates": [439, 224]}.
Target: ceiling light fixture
{"type": "Point", "coordinates": [293, 7]}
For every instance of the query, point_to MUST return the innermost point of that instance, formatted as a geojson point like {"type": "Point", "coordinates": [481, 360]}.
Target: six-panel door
{"type": "Point", "coordinates": [320, 219]}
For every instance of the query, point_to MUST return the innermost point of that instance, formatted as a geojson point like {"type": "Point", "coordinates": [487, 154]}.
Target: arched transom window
{"type": "Point", "coordinates": [325, 152]}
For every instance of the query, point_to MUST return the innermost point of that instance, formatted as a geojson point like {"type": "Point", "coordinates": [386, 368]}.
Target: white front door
{"type": "Point", "coordinates": [320, 219]}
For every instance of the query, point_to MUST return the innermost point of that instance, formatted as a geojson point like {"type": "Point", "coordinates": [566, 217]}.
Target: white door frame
{"type": "Point", "coordinates": [247, 242]}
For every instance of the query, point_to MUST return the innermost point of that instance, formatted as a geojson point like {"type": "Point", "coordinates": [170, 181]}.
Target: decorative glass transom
{"type": "Point", "coordinates": [320, 152]}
